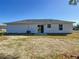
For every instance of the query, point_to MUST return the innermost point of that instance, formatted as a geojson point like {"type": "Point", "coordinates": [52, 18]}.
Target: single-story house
{"type": "Point", "coordinates": [40, 26]}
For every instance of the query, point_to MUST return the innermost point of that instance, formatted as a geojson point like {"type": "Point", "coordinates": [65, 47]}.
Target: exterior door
{"type": "Point", "coordinates": [40, 29]}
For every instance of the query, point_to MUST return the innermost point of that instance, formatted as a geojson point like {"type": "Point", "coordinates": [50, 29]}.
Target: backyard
{"type": "Point", "coordinates": [40, 46]}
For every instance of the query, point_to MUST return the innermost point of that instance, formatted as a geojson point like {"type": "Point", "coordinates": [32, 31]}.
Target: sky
{"type": "Point", "coordinates": [14, 10]}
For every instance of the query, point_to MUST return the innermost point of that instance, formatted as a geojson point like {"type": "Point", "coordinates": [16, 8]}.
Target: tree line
{"type": "Point", "coordinates": [73, 2]}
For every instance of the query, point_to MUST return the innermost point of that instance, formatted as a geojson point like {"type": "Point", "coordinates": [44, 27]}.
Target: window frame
{"type": "Point", "coordinates": [48, 25]}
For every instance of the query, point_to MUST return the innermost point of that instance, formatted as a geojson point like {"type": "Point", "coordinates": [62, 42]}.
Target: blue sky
{"type": "Point", "coordinates": [13, 10]}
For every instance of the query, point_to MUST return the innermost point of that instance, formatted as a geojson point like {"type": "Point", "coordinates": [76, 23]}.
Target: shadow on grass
{"type": "Point", "coordinates": [32, 34]}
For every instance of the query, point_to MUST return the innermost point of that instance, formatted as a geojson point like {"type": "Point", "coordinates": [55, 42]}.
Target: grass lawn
{"type": "Point", "coordinates": [40, 46]}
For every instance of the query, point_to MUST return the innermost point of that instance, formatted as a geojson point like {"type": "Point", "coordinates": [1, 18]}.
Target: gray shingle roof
{"type": "Point", "coordinates": [39, 20]}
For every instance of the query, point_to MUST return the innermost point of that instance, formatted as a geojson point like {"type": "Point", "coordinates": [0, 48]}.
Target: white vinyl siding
{"type": "Point", "coordinates": [23, 28]}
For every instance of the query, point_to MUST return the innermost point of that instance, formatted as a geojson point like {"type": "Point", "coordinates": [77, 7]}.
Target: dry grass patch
{"type": "Point", "coordinates": [2, 38]}
{"type": "Point", "coordinates": [41, 47]}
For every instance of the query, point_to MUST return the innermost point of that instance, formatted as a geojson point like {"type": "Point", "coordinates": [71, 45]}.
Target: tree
{"type": "Point", "coordinates": [76, 27]}
{"type": "Point", "coordinates": [73, 2]}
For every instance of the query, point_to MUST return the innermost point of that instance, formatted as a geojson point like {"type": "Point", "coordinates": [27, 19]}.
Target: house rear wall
{"type": "Point", "coordinates": [23, 28]}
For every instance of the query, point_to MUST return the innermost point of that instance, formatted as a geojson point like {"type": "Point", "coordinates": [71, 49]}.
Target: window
{"type": "Point", "coordinates": [38, 25]}
{"type": "Point", "coordinates": [60, 27]}
{"type": "Point", "coordinates": [48, 25]}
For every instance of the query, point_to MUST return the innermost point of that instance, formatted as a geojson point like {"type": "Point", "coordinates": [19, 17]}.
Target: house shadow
{"type": "Point", "coordinates": [32, 34]}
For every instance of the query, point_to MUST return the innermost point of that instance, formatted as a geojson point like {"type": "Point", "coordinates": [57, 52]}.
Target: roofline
{"type": "Point", "coordinates": [15, 22]}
